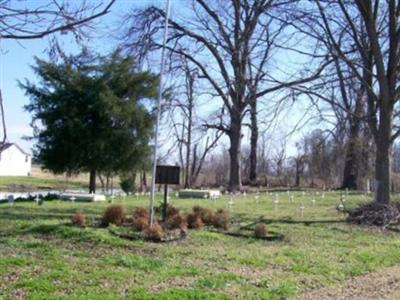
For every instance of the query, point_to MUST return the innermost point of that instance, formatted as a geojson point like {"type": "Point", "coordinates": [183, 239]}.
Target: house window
{"type": "Point", "coordinates": [26, 158]}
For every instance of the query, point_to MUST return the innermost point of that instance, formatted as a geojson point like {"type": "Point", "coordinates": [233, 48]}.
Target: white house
{"type": "Point", "coordinates": [14, 161]}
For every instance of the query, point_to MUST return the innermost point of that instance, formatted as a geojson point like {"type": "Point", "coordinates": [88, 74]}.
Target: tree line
{"type": "Point", "coordinates": [350, 52]}
{"type": "Point", "coordinates": [248, 59]}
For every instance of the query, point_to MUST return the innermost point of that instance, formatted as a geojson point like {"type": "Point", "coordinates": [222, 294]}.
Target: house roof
{"type": "Point", "coordinates": [5, 146]}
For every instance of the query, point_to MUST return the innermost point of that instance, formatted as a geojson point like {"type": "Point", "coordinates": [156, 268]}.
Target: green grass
{"type": "Point", "coordinates": [43, 257]}
{"type": "Point", "coordinates": [28, 182]}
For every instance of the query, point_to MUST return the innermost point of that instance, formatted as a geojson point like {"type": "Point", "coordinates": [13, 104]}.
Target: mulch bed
{"type": "Point", "coordinates": [128, 234]}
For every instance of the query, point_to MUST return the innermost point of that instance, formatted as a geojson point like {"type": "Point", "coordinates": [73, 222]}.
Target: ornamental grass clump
{"type": "Point", "coordinates": [140, 218]}
{"type": "Point", "coordinates": [154, 232]}
{"type": "Point", "coordinates": [261, 230]}
{"type": "Point", "coordinates": [221, 219]}
{"type": "Point", "coordinates": [171, 211]}
{"type": "Point", "coordinates": [177, 221]}
{"type": "Point", "coordinates": [206, 214]}
{"type": "Point", "coordinates": [78, 219]}
{"type": "Point", "coordinates": [194, 221]}
{"type": "Point", "coordinates": [113, 214]}
{"type": "Point", "coordinates": [140, 223]}
{"type": "Point", "coordinates": [140, 212]}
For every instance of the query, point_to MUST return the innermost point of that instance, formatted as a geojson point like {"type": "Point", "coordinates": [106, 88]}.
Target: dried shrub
{"type": "Point", "coordinates": [114, 214]}
{"type": "Point", "coordinates": [140, 223]}
{"type": "Point", "coordinates": [376, 214]}
{"type": "Point", "coordinates": [206, 214]}
{"type": "Point", "coordinates": [140, 213]}
{"type": "Point", "coordinates": [194, 221]}
{"type": "Point", "coordinates": [261, 230]}
{"type": "Point", "coordinates": [177, 221]}
{"type": "Point", "coordinates": [140, 218]}
{"type": "Point", "coordinates": [221, 219]}
{"type": "Point", "coordinates": [197, 210]}
{"type": "Point", "coordinates": [154, 232]}
{"type": "Point", "coordinates": [78, 219]}
{"type": "Point", "coordinates": [171, 211]}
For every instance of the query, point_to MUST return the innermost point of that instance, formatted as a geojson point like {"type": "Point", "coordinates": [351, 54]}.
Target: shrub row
{"type": "Point", "coordinates": [199, 217]}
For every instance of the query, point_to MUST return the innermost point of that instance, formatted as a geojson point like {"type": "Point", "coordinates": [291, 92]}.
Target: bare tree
{"type": "Point", "coordinates": [40, 19]}
{"type": "Point", "coordinates": [263, 156]}
{"type": "Point", "coordinates": [229, 42]}
{"type": "Point", "coordinates": [189, 131]}
{"type": "Point", "coordinates": [198, 160]}
{"type": "Point", "coordinates": [340, 89]}
{"type": "Point", "coordinates": [363, 35]}
{"type": "Point", "coordinates": [378, 72]}
{"type": "Point", "coordinates": [279, 157]}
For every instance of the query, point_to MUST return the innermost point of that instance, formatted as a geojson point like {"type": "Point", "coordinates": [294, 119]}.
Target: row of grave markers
{"type": "Point", "coordinates": [340, 207]}
{"type": "Point", "coordinates": [256, 196]}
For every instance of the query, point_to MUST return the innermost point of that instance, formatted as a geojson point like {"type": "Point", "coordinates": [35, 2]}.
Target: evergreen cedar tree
{"type": "Point", "coordinates": [89, 114]}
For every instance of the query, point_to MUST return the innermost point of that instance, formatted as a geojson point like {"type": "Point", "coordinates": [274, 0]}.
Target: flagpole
{"type": "Point", "coordinates": [158, 113]}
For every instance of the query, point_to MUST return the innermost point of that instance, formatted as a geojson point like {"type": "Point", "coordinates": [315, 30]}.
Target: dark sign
{"type": "Point", "coordinates": [167, 175]}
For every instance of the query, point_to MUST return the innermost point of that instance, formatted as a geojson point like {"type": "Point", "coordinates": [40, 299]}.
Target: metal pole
{"type": "Point", "coordinates": [153, 177]}
{"type": "Point", "coordinates": [164, 216]}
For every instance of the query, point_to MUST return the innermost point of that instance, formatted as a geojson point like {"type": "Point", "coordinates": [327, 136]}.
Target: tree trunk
{"type": "Point", "coordinates": [353, 151]}
{"type": "Point", "coordinates": [3, 120]}
{"type": "Point", "coordinates": [103, 186]}
{"type": "Point", "coordinates": [383, 155]}
{"type": "Point", "coordinates": [253, 142]}
{"type": "Point", "coordinates": [235, 136]}
{"type": "Point", "coordinates": [350, 172]}
{"type": "Point", "coordinates": [92, 182]}
{"type": "Point", "coordinates": [143, 180]}
{"type": "Point", "coordinates": [299, 172]}
{"type": "Point", "coordinates": [193, 176]}
{"type": "Point", "coordinates": [297, 183]}
{"type": "Point", "coordinates": [107, 182]}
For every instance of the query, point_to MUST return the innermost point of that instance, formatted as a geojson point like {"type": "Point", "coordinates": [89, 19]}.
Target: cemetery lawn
{"type": "Point", "coordinates": [27, 183]}
{"type": "Point", "coordinates": [43, 257]}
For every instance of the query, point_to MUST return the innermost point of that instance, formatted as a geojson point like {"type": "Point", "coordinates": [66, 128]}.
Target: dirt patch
{"type": "Point", "coordinates": [200, 263]}
{"type": "Point", "coordinates": [10, 278]}
{"type": "Point", "coordinates": [377, 285]}
{"type": "Point", "coordinates": [18, 294]}
{"type": "Point", "coordinates": [253, 275]}
{"type": "Point", "coordinates": [174, 282]}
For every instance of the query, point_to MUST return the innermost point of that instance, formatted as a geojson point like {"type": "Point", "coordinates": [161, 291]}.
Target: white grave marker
{"type": "Point", "coordinates": [301, 209]}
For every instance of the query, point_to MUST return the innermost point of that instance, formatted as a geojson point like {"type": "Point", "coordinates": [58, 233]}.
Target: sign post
{"type": "Point", "coordinates": [166, 175]}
